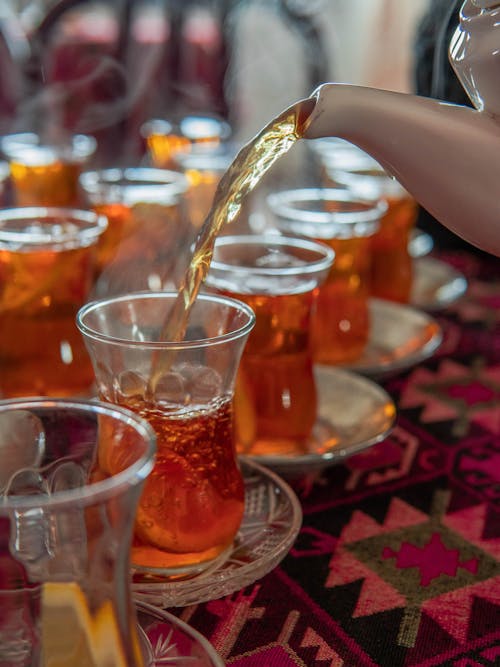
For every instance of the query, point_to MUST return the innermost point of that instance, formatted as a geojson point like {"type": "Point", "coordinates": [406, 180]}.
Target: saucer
{"type": "Point", "coordinates": [400, 337]}
{"type": "Point", "coordinates": [166, 640]}
{"type": "Point", "coordinates": [271, 522]}
{"type": "Point", "coordinates": [353, 414]}
{"type": "Point", "coordinates": [420, 243]}
{"type": "Point", "coordinates": [436, 284]}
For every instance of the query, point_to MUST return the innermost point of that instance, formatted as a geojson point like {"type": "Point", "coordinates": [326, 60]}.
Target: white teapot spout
{"type": "Point", "coordinates": [446, 155]}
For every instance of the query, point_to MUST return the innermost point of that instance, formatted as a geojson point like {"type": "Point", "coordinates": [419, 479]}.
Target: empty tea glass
{"type": "Point", "coordinates": [47, 263]}
{"type": "Point", "coordinates": [45, 172]}
{"type": "Point", "coordinates": [144, 244]}
{"type": "Point", "coordinates": [193, 503]}
{"type": "Point", "coordinates": [275, 398]}
{"type": "Point", "coordinates": [347, 223]}
{"type": "Point", "coordinates": [71, 477]}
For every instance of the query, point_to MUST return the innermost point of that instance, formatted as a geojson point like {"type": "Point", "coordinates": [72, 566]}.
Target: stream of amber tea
{"type": "Point", "coordinates": [242, 176]}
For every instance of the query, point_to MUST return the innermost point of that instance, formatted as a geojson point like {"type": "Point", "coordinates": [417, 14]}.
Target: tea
{"type": "Point", "coordinates": [242, 176]}
{"type": "Point", "coordinates": [392, 266]}
{"type": "Point", "coordinates": [147, 230]}
{"type": "Point", "coordinates": [341, 326]}
{"type": "Point", "coordinates": [45, 174]}
{"type": "Point", "coordinates": [46, 273]}
{"type": "Point", "coordinates": [192, 504]}
{"type": "Point", "coordinates": [347, 224]}
{"type": "Point", "coordinates": [275, 395]}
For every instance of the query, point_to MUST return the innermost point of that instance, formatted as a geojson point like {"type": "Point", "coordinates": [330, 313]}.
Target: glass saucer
{"type": "Point", "coordinates": [436, 284]}
{"type": "Point", "coordinates": [400, 337]}
{"type": "Point", "coordinates": [271, 522]}
{"type": "Point", "coordinates": [353, 413]}
{"type": "Point", "coordinates": [166, 640]}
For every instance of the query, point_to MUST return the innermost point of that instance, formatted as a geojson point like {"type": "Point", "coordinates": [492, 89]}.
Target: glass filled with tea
{"type": "Point", "coordinates": [347, 223]}
{"type": "Point", "coordinates": [45, 172]}
{"type": "Point", "coordinates": [143, 246]}
{"type": "Point", "coordinates": [166, 140]}
{"type": "Point", "coordinates": [193, 502]}
{"type": "Point", "coordinates": [392, 264]}
{"type": "Point", "coordinates": [47, 262]}
{"type": "Point", "coordinates": [67, 508]}
{"type": "Point", "coordinates": [278, 277]}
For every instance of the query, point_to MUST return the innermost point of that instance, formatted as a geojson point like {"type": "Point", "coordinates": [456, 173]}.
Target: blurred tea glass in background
{"type": "Point", "coordinates": [147, 235]}
{"type": "Point", "coordinates": [346, 223]}
{"type": "Point", "coordinates": [392, 264]}
{"type": "Point", "coordinates": [203, 170]}
{"type": "Point", "coordinates": [68, 500]}
{"type": "Point", "coordinates": [43, 172]}
{"type": "Point", "coordinates": [47, 267]}
{"type": "Point", "coordinates": [275, 398]}
{"type": "Point", "coordinates": [192, 505]}
{"type": "Point", "coordinates": [166, 140]}
{"type": "Point", "coordinates": [347, 165]}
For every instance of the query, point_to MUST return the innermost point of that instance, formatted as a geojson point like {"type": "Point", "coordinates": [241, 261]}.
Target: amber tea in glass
{"type": "Point", "coordinates": [147, 230]}
{"type": "Point", "coordinates": [341, 324]}
{"type": "Point", "coordinates": [392, 266]}
{"type": "Point", "coordinates": [275, 398]}
{"type": "Point", "coordinates": [47, 261]}
{"type": "Point", "coordinates": [193, 502]}
{"type": "Point", "coordinates": [46, 173]}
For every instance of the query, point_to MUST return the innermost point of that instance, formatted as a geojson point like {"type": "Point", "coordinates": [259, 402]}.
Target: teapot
{"type": "Point", "coordinates": [446, 155]}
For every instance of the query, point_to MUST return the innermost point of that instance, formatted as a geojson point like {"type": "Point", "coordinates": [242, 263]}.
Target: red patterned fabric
{"type": "Point", "coordinates": [397, 561]}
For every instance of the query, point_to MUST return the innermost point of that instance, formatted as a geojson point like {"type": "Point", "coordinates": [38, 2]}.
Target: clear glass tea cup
{"type": "Point", "coordinates": [47, 266]}
{"type": "Point", "coordinates": [347, 223]}
{"type": "Point", "coordinates": [193, 503]}
{"type": "Point", "coordinates": [71, 477]}
{"type": "Point", "coordinates": [148, 231]}
{"type": "Point", "coordinates": [278, 277]}
{"type": "Point", "coordinates": [392, 264]}
{"type": "Point", "coordinates": [166, 140]}
{"type": "Point", "coordinates": [44, 172]}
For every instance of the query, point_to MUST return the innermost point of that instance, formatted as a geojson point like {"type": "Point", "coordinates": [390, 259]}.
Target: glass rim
{"type": "Point", "coordinates": [281, 205]}
{"type": "Point", "coordinates": [323, 263]}
{"type": "Point", "coordinates": [95, 223]}
{"type": "Point", "coordinates": [136, 473]}
{"type": "Point", "coordinates": [93, 180]}
{"type": "Point", "coordinates": [93, 306]}
{"type": "Point", "coordinates": [77, 146]}
{"type": "Point", "coordinates": [162, 126]}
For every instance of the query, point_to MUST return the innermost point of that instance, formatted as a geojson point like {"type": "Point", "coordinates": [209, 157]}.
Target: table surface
{"type": "Point", "coordinates": [397, 561]}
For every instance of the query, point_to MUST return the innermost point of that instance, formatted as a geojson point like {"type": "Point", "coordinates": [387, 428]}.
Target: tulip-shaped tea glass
{"type": "Point", "coordinates": [193, 503]}
{"type": "Point", "coordinates": [44, 172]}
{"type": "Point", "coordinates": [71, 476]}
{"type": "Point", "coordinates": [142, 247]}
{"type": "Point", "coordinates": [47, 262]}
{"type": "Point", "coordinates": [347, 223]}
{"type": "Point", "coordinates": [392, 266]}
{"type": "Point", "coordinates": [278, 277]}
